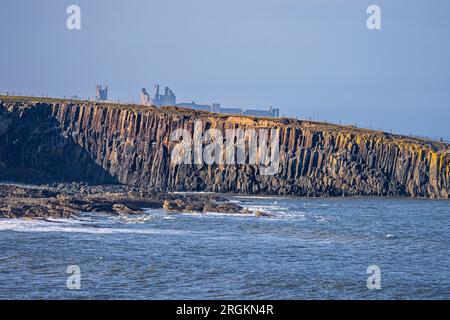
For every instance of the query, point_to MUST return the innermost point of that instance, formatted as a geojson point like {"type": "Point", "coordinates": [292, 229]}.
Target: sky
{"type": "Point", "coordinates": [310, 58]}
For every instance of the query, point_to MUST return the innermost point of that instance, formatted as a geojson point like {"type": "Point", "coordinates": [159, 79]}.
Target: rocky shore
{"type": "Point", "coordinates": [66, 200]}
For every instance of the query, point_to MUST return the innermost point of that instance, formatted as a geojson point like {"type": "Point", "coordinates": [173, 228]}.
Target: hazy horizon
{"type": "Point", "coordinates": [312, 58]}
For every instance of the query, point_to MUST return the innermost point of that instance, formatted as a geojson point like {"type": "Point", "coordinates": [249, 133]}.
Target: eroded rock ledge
{"type": "Point", "coordinates": [61, 140]}
{"type": "Point", "coordinates": [68, 200]}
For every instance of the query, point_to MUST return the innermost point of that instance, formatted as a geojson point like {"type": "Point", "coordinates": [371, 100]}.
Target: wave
{"type": "Point", "coordinates": [215, 214]}
{"type": "Point", "coordinates": [141, 219]}
{"type": "Point", "coordinates": [249, 197]}
{"type": "Point", "coordinates": [75, 226]}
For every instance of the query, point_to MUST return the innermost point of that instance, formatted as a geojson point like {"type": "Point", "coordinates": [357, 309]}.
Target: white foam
{"type": "Point", "coordinates": [218, 214]}
{"type": "Point", "coordinates": [257, 197]}
{"type": "Point", "coordinates": [390, 236]}
{"type": "Point", "coordinates": [136, 219]}
{"type": "Point", "coordinates": [73, 226]}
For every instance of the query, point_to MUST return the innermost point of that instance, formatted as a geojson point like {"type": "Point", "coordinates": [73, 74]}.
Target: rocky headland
{"type": "Point", "coordinates": [52, 141]}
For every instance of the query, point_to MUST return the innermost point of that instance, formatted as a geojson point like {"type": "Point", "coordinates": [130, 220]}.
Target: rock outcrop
{"type": "Point", "coordinates": [69, 200]}
{"type": "Point", "coordinates": [72, 140]}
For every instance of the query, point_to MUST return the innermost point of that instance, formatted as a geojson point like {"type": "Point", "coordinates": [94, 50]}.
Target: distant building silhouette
{"type": "Point", "coordinates": [272, 112]}
{"type": "Point", "coordinates": [194, 106]}
{"type": "Point", "coordinates": [230, 110]}
{"type": "Point", "coordinates": [159, 100]}
{"type": "Point", "coordinates": [215, 107]}
{"type": "Point", "coordinates": [145, 98]}
{"type": "Point", "coordinates": [169, 99]}
{"type": "Point", "coordinates": [101, 94]}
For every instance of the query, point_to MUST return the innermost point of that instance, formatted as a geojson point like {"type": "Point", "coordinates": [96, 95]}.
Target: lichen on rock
{"type": "Point", "coordinates": [73, 141]}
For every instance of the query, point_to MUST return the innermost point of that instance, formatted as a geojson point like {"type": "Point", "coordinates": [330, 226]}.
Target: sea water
{"type": "Point", "coordinates": [308, 249]}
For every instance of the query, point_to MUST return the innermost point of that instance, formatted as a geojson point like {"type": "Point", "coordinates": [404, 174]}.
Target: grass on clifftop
{"type": "Point", "coordinates": [263, 121]}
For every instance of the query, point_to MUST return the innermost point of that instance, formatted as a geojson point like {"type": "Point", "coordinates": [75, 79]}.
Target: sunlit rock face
{"type": "Point", "coordinates": [62, 140]}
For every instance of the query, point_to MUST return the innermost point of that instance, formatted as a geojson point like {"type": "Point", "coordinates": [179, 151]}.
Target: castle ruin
{"type": "Point", "coordinates": [101, 94]}
{"type": "Point", "coordinates": [145, 98]}
{"type": "Point", "coordinates": [158, 100]}
{"type": "Point", "coordinates": [169, 99]}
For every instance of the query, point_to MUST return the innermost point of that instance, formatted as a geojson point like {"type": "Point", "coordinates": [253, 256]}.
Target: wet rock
{"type": "Point", "coordinates": [191, 205]}
{"type": "Point", "coordinates": [62, 201]}
{"type": "Point", "coordinates": [123, 209]}
{"type": "Point", "coordinates": [262, 214]}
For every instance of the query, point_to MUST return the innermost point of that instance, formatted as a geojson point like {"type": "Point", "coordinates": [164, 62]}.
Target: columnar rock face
{"type": "Point", "coordinates": [132, 145]}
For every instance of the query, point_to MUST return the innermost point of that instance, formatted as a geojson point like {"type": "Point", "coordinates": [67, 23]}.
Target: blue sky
{"type": "Point", "coordinates": [311, 58]}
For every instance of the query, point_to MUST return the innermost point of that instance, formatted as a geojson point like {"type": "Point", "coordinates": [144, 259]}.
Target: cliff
{"type": "Point", "coordinates": [53, 140]}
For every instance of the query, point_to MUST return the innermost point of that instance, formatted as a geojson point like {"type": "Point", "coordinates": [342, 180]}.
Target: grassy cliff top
{"type": "Point", "coordinates": [251, 121]}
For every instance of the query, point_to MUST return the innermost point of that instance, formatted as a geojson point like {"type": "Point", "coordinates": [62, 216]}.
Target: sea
{"type": "Point", "coordinates": [309, 248]}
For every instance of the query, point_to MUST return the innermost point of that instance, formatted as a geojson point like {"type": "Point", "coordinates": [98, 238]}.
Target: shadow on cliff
{"type": "Point", "coordinates": [34, 150]}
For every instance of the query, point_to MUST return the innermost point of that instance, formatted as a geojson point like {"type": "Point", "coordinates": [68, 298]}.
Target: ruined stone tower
{"type": "Point", "coordinates": [101, 94]}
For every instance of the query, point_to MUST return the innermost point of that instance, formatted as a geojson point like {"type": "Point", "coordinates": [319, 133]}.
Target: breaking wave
{"type": "Point", "coordinates": [76, 226]}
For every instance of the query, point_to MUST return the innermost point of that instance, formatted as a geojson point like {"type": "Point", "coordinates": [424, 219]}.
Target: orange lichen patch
{"type": "Point", "coordinates": [240, 120]}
